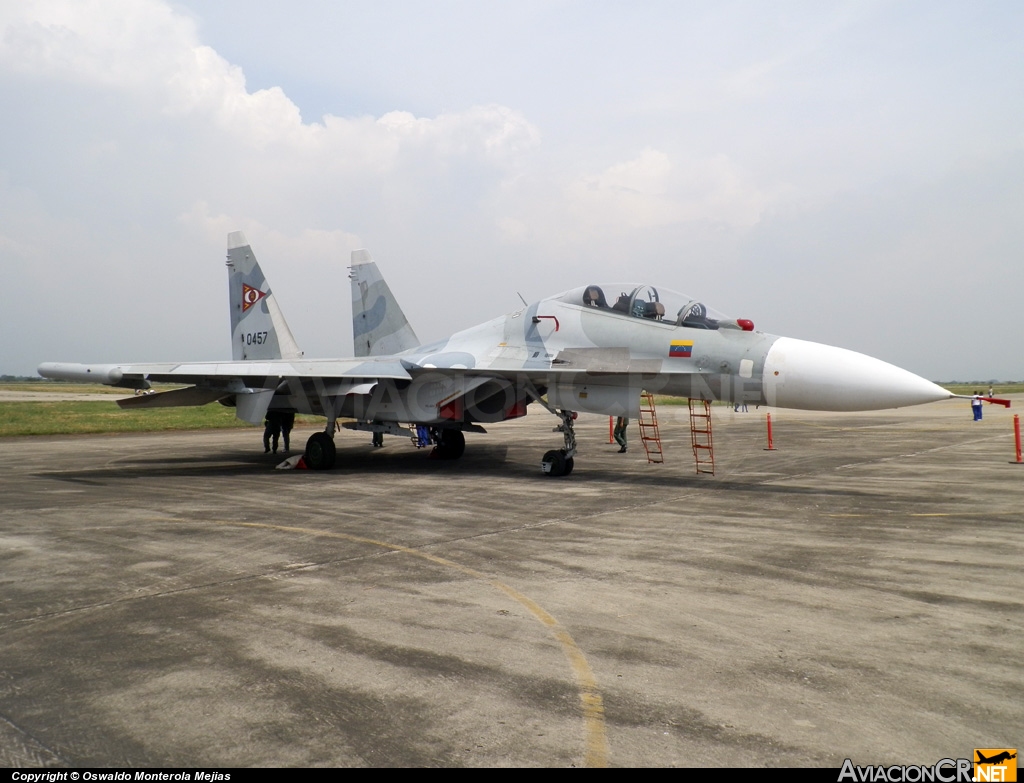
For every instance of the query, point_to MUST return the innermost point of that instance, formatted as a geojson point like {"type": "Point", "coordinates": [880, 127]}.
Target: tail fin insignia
{"type": "Point", "coordinates": [250, 296]}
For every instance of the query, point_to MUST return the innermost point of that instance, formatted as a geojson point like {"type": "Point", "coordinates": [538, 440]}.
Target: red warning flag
{"type": "Point", "coordinates": [1004, 403]}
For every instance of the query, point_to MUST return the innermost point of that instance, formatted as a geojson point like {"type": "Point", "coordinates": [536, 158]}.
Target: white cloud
{"type": "Point", "coordinates": [656, 190]}
{"type": "Point", "coordinates": [306, 246]}
{"type": "Point", "coordinates": [492, 132]}
{"type": "Point", "coordinates": [112, 43]}
{"type": "Point", "coordinates": [205, 84]}
{"type": "Point", "coordinates": [144, 46]}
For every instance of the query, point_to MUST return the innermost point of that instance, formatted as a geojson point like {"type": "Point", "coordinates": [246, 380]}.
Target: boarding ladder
{"type": "Point", "coordinates": [700, 436]}
{"type": "Point", "coordinates": [649, 433]}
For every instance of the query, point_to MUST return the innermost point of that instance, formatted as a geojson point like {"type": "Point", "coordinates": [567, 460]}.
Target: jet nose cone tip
{"type": "Point", "coordinates": [813, 376]}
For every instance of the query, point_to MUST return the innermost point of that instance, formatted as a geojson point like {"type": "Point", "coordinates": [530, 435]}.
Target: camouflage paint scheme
{"type": "Point", "coordinates": [377, 328]}
{"type": "Point", "coordinates": [570, 352]}
{"type": "Point", "coordinates": [258, 329]}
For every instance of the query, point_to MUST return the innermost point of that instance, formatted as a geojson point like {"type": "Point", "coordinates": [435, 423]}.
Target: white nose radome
{"type": "Point", "coordinates": [812, 376]}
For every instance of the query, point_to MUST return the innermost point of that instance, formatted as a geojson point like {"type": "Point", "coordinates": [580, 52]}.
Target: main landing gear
{"type": "Point", "coordinates": [560, 462]}
{"type": "Point", "coordinates": [320, 452]}
{"type": "Point", "coordinates": [449, 443]}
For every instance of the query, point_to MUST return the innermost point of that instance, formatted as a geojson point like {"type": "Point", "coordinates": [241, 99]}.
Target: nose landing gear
{"type": "Point", "coordinates": [561, 462]}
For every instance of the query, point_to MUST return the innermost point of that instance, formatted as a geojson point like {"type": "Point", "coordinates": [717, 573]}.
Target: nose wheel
{"type": "Point", "coordinates": [560, 462]}
{"type": "Point", "coordinates": [555, 463]}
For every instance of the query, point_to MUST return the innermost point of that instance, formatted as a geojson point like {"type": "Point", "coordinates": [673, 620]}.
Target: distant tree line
{"type": "Point", "coordinates": [991, 382]}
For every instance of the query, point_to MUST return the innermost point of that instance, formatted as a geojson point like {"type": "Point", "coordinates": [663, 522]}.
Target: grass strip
{"type": "Point", "coordinates": [72, 418]}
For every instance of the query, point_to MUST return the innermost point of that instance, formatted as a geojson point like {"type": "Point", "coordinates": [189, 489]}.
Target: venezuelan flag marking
{"type": "Point", "coordinates": [680, 349]}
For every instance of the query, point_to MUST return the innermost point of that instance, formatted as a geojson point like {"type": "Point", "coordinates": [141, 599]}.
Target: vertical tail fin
{"type": "Point", "coordinates": [379, 326]}
{"type": "Point", "coordinates": [258, 328]}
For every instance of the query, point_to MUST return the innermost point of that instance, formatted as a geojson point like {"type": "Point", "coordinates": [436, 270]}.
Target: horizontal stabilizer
{"type": "Point", "coordinates": [176, 398]}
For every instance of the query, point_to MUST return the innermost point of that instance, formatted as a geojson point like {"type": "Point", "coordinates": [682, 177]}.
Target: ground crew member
{"type": "Point", "coordinates": [287, 422]}
{"type": "Point", "coordinates": [620, 433]}
{"type": "Point", "coordinates": [271, 430]}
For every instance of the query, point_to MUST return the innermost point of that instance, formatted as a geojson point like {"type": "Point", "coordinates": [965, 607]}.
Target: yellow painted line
{"type": "Point", "coordinates": [591, 702]}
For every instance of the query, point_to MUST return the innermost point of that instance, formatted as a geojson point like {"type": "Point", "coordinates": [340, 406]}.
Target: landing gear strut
{"type": "Point", "coordinates": [561, 462]}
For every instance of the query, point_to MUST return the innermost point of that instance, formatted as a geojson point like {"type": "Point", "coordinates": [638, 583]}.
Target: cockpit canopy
{"type": "Point", "coordinates": [648, 302]}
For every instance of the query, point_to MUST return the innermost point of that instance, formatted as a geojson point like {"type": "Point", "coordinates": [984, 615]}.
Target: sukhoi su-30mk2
{"type": "Point", "coordinates": [592, 349]}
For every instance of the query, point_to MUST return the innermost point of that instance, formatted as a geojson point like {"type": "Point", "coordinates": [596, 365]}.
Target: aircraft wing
{"type": "Point", "coordinates": [252, 384]}
{"type": "Point", "coordinates": [138, 376]}
{"type": "Point", "coordinates": [586, 379]}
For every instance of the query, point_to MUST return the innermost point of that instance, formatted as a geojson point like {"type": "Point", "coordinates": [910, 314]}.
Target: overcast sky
{"type": "Point", "coordinates": [849, 173]}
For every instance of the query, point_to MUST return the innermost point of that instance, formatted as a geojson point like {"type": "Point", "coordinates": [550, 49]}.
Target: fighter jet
{"type": "Point", "coordinates": [593, 349]}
